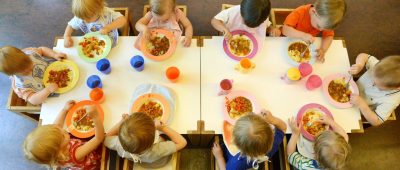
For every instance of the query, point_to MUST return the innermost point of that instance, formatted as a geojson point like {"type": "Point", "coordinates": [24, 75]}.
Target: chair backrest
{"type": "Point", "coordinates": [226, 6]}
{"type": "Point", "coordinates": [183, 8]}
{"type": "Point", "coordinates": [278, 16]}
{"type": "Point", "coordinates": [124, 31]}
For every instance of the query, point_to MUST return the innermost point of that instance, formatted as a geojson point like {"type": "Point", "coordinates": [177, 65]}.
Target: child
{"type": "Point", "coordinates": [92, 16]}
{"type": "Point", "coordinates": [26, 69]}
{"type": "Point", "coordinates": [331, 148]}
{"type": "Point", "coordinates": [308, 21]}
{"type": "Point", "coordinates": [165, 15]}
{"type": "Point", "coordinates": [250, 15]}
{"type": "Point", "coordinates": [134, 138]}
{"type": "Point", "coordinates": [256, 140]}
{"type": "Point", "coordinates": [379, 87]}
{"type": "Point", "coordinates": [51, 144]}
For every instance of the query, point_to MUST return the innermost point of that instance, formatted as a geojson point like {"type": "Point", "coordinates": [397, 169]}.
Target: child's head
{"type": "Point", "coordinates": [253, 136]}
{"type": "Point", "coordinates": [331, 150]}
{"type": "Point", "coordinates": [162, 9]}
{"type": "Point", "coordinates": [14, 62]}
{"type": "Point", "coordinates": [327, 14]}
{"type": "Point", "coordinates": [45, 145]}
{"type": "Point", "coordinates": [88, 10]}
{"type": "Point", "coordinates": [387, 73]}
{"type": "Point", "coordinates": [255, 12]}
{"type": "Point", "coordinates": [137, 132]}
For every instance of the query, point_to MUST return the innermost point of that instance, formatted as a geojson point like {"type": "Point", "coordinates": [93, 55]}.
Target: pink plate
{"type": "Point", "coordinates": [171, 50]}
{"type": "Point", "coordinates": [325, 84]}
{"type": "Point", "coordinates": [234, 94]}
{"type": "Point", "coordinates": [227, 137]}
{"type": "Point", "coordinates": [311, 106]}
{"type": "Point", "coordinates": [253, 51]}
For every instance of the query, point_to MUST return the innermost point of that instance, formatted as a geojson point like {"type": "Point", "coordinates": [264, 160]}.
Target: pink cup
{"type": "Point", "coordinates": [305, 69]}
{"type": "Point", "coordinates": [225, 86]}
{"type": "Point", "coordinates": [313, 82]}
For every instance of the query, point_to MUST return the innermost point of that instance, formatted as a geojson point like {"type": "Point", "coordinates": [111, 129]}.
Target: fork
{"type": "Point", "coordinates": [348, 82]}
{"type": "Point", "coordinates": [304, 51]}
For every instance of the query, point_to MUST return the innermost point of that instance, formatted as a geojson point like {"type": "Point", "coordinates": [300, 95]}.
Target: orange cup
{"type": "Point", "coordinates": [97, 95]}
{"type": "Point", "coordinates": [245, 63]}
{"type": "Point", "coordinates": [172, 74]}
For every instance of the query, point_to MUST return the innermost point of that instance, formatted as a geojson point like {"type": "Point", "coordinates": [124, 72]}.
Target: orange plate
{"type": "Point", "coordinates": [79, 105]}
{"type": "Point", "coordinates": [171, 50]}
{"type": "Point", "coordinates": [228, 140]}
{"type": "Point", "coordinates": [153, 96]}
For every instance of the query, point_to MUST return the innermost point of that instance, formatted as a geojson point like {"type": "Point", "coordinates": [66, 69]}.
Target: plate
{"type": "Point", "coordinates": [77, 106]}
{"type": "Point", "coordinates": [227, 137]}
{"type": "Point", "coordinates": [106, 49]}
{"type": "Point", "coordinates": [353, 87]}
{"type": "Point", "coordinates": [234, 94]}
{"type": "Point", "coordinates": [60, 65]}
{"type": "Point", "coordinates": [295, 63]}
{"type": "Point", "coordinates": [311, 107]}
{"type": "Point", "coordinates": [160, 33]}
{"type": "Point", "coordinates": [155, 98]}
{"type": "Point", "coordinates": [246, 35]}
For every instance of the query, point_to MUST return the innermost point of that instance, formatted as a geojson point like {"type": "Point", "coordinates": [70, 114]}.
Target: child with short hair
{"type": "Point", "coordinates": [164, 14]}
{"type": "Point", "coordinates": [379, 87]}
{"type": "Point", "coordinates": [92, 16]}
{"type": "Point", "coordinates": [250, 15]}
{"type": "Point", "coordinates": [135, 138]}
{"type": "Point", "coordinates": [52, 146]}
{"type": "Point", "coordinates": [26, 69]}
{"type": "Point", "coordinates": [331, 148]}
{"type": "Point", "coordinates": [307, 21]}
{"type": "Point", "coordinates": [255, 138]}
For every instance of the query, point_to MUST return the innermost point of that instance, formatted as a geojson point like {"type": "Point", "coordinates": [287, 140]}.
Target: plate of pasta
{"type": "Point", "coordinates": [308, 116]}
{"type": "Point", "coordinates": [154, 105]}
{"type": "Point", "coordinates": [237, 104]}
{"type": "Point", "coordinates": [241, 45]}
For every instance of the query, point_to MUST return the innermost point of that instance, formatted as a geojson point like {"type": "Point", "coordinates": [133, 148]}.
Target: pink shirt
{"type": "Point", "coordinates": [90, 162]}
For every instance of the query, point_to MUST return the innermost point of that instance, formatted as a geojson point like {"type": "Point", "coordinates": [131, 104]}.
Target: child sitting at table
{"type": "Point", "coordinates": [26, 68]}
{"type": "Point", "coordinates": [308, 21]}
{"type": "Point", "coordinates": [51, 145]}
{"type": "Point", "coordinates": [164, 14]}
{"type": "Point", "coordinates": [379, 87]}
{"type": "Point", "coordinates": [256, 140]}
{"type": "Point", "coordinates": [135, 138]}
{"type": "Point", "coordinates": [92, 16]}
{"type": "Point", "coordinates": [330, 148]}
{"type": "Point", "coordinates": [250, 15]}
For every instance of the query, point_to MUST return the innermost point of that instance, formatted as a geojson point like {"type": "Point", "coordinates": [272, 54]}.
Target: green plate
{"type": "Point", "coordinates": [106, 50]}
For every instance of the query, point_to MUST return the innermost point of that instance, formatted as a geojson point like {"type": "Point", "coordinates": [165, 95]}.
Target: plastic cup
{"type": "Point", "coordinates": [313, 82]}
{"type": "Point", "coordinates": [245, 63]}
{"type": "Point", "coordinates": [225, 86]}
{"type": "Point", "coordinates": [94, 81]}
{"type": "Point", "coordinates": [97, 95]}
{"type": "Point", "coordinates": [104, 66]}
{"type": "Point", "coordinates": [305, 69]}
{"type": "Point", "coordinates": [172, 74]}
{"type": "Point", "coordinates": [137, 62]}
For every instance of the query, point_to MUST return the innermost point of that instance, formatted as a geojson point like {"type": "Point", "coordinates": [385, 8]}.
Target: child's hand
{"type": "Point", "coordinates": [357, 100]}
{"type": "Point", "coordinates": [321, 55]}
{"type": "Point", "coordinates": [69, 104]}
{"type": "Point", "coordinates": [326, 120]}
{"type": "Point", "coordinates": [68, 42]}
{"type": "Point", "coordinates": [159, 125]}
{"type": "Point", "coordinates": [104, 31]}
{"type": "Point", "coordinates": [60, 56]}
{"type": "Point", "coordinates": [294, 126]}
{"type": "Point", "coordinates": [125, 116]}
{"type": "Point", "coordinates": [227, 35]}
{"type": "Point", "coordinates": [267, 115]}
{"type": "Point", "coordinates": [52, 87]}
{"type": "Point", "coordinates": [217, 151]}
{"type": "Point", "coordinates": [355, 69]}
{"type": "Point", "coordinates": [275, 32]}
{"type": "Point", "coordinates": [187, 41]}
{"type": "Point", "coordinates": [308, 38]}
{"type": "Point", "coordinates": [147, 34]}
{"type": "Point", "coordinates": [92, 111]}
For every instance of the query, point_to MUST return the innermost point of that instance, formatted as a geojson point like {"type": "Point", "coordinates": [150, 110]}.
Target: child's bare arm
{"type": "Point", "coordinates": [91, 145]}
{"type": "Point", "coordinates": [221, 27]}
{"type": "Point", "coordinates": [361, 60]}
{"type": "Point", "coordinates": [40, 96]}
{"type": "Point", "coordinates": [178, 139]}
{"type": "Point", "coordinates": [291, 147]}
{"type": "Point", "coordinates": [292, 32]}
{"type": "Point", "coordinates": [63, 113]}
{"type": "Point", "coordinates": [68, 42]}
{"type": "Point", "coordinates": [335, 127]}
{"type": "Point", "coordinates": [369, 114]}
{"type": "Point", "coordinates": [188, 31]}
{"type": "Point", "coordinates": [274, 32]}
{"type": "Point", "coordinates": [141, 25]}
{"type": "Point", "coordinates": [278, 123]}
{"type": "Point", "coordinates": [118, 23]}
{"type": "Point", "coordinates": [115, 129]}
{"type": "Point", "coordinates": [47, 52]}
{"type": "Point", "coordinates": [325, 44]}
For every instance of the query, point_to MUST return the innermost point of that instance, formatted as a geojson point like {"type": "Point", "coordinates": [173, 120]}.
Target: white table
{"type": "Point", "coordinates": [264, 82]}
{"type": "Point", "coordinates": [120, 84]}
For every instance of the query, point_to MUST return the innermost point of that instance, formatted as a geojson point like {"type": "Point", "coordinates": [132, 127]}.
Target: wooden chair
{"type": "Point", "coordinates": [278, 15]}
{"type": "Point", "coordinates": [183, 8]}
{"type": "Point", "coordinates": [124, 31]}
{"type": "Point", "coordinates": [20, 106]}
{"type": "Point", "coordinates": [226, 6]}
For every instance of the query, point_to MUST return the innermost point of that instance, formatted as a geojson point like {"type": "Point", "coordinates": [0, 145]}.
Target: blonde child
{"type": "Point", "coordinates": [379, 87]}
{"type": "Point", "coordinates": [51, 145]}
{"type": "Point", "coordinates": [165, 15]}
{"type": "Point", "coordinates": [26, 68]}
{"type": "Point", "coordinates": [250, 15]}
{"type": "Point", "coordinates": [256, 140]}
{"type": "Point", "coordinates": [307, 21]}
{"type": "Point", "coordinates": [134, 138]}
{"type": "Point", "coordinates": [92, 16]}
{"type": "Point", "coordinates": [331, 148]}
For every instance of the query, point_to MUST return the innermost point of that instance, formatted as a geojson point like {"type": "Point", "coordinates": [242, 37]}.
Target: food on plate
{"type": "Point", "coordinates": [158, 45]}
{"type": "Point", "coordinates": [295, 49]}
{"type": "Point", "coordinates": [238, 107]}
{"type": "Point", "coordinates": [338, 91]}
{"type": "Point", "coordinates": [82, 121]}
{"type": "Point", "coordinates": [152, 108]}
{"type": "Point", "coordinates": [310, 123]}
{"type": "Point", "coordinates": [240, 46]}
{"type": "Point", "coordinates": [92, 46]}
{"type": "Point", "coordinates": [59, 77]}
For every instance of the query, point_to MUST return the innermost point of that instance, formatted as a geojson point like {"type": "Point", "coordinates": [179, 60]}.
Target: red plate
{"type": "Point", "coordinates": [325, 84]}
{"type": "Point", "coordinates": [153, 97]}
{"type": "Point", "coordinates": [311, 106]}
{"type": "Point", "coordinates": [171, 50]}
{"type": "Point", "coordinates": [79, 105]}
{"type": "Point", "coordinates": [228, 140]}
{"type": "Point", "coordinates": [234, 94]}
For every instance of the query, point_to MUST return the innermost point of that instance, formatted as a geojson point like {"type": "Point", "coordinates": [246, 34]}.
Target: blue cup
{"type": "Point", "coordinates": [104, 66]}
{"type": "Point", "coordinates": [137, 62]}
{"type": "Point", "coordinates": [94, 81]}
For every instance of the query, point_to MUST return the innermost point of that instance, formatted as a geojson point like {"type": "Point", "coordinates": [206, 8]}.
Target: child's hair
{"type": "Point", "coordinates": [43, 145]}
{"type": "Point", "coordinates": [331, 150]}
{"type": "Point", "coordinates": [332, 11]}
{"type": "Point", "coordinates": [13, 60]}
{"type": "Point", "coordinates": [255, 12]}
{"type": "Point", "coordinates": [388, 71]}
{"type": "Point", "coordinates": [159, 6]}
{"type": "Point", "coordinates": [253, 136]}
{"type": "Point", "coordinates": [85, 9]}
{"type": "Point", "coordinates": [137, 132]}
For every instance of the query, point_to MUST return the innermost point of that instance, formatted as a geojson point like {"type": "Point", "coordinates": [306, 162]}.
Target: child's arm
{"type": "Point", "coordinates": [221, 27]}
{"type": "Point", "coordinates": [361, 59]}
{"type": "Point", "coordinates": [188, 31]}
{"type": "Point", "coordinates": [98, 138]}
{"type": "Point", "coordinates": [118, 23]}
{"type": "Point", "coordinates": [336, 127]}
{"type": "Point", "coordinates": [61, 116]}
{"type": "Point", "coordinates": [115, 129]}
{"type": "Point", "coordinates": [40, 96]}
{"type": "Point", "coordinates": [289, 31]}
{"type": "Point", "coordinates": [141, 26]}
{"type": "Point", "coordinates": [273, 32]}
{"type": "Point", "coordinates": [365, 110]}
{"type": "Point", "coordinates": [291, 146]}
{"type": "Point", "coordinates": [279, 123]}
{"type": "Point", "coordinates": [325, 44]}
{"type": "Point", "coordinates": [218, 154]}
{"type": "Point", "coordinates": [178, 139]}
{"type": "Point", "coordinates": [68, 42]}
{"type": "Point", "coordinates": [47, 52]}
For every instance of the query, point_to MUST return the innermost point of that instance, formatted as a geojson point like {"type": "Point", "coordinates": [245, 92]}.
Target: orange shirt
{"type": "Point", "coordinates": [300, 19]}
